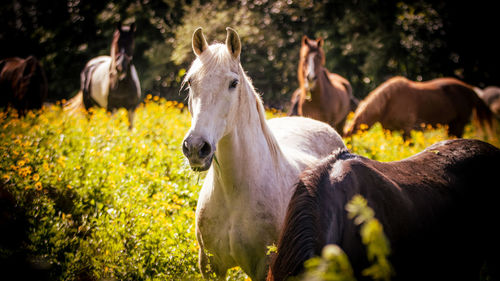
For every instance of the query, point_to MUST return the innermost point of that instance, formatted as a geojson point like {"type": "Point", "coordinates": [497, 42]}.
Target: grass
{"type": "Point", "coordinates": [84, 198]}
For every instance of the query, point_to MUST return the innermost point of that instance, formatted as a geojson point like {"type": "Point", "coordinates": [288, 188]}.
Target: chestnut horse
{"type": "Point", "coordinates": [438, 209]}
{"type": "Point", "coordinates": [401, 104]}
{"type": "Point", "coordinates": [247, 188]}
{"type": "Point", "coordinates": [322, 95]}
{"type": "Point", "coordinates": [23, 84]}
{"type": "Point", "coordinates": [111, 81]}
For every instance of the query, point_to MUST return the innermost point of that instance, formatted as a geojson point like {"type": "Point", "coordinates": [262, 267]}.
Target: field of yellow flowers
{"type": "Point", "coordinates": [82, 197]}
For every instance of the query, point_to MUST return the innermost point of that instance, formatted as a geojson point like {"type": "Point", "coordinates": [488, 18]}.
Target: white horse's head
{"type": "Point", "coordinates": [214, 81]}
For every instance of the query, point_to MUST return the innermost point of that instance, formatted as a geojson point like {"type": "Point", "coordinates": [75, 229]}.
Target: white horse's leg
{"type": "Point", "coordinates": [209, 267]}
{"type": "Point", "coordinates": [261, 268]}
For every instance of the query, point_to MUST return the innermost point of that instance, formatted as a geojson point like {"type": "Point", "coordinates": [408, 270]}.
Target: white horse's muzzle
{"type": "Point", "coordinates": [198, 151]}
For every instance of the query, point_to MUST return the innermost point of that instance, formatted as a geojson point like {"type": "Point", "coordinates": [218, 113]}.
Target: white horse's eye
{"type": "Point", "coordinates": [233, 84]}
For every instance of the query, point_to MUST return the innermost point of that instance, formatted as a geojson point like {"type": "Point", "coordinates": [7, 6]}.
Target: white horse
{"type": "Point", "coordinates": [243, 200]}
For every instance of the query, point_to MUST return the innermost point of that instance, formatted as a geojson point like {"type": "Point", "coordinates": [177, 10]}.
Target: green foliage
{"type": "Point", "coordinates": [94, 200]}
{"type": "Point", "coordinates": [373, 237]}
{"type": "Point", "coordinates": [333, 265]}
{"type": "Point", "coordinates": [365, 41]}
{"type": "Point", "coordinates": [103, 201]}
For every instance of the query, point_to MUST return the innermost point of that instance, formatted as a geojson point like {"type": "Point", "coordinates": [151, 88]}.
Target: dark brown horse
{"type": "Point", "coordinates": [438, 209]}
{"type": "Point", "coordinates": [401, 104]}
{"type": "Point", "coordinates": [322, 95]}
{"type": "Point", "coordinates": [23, 84]}
{"type": "Point", "coordinates": [491, 96]}
{"type": "Point", "coordinates": [111, 81]}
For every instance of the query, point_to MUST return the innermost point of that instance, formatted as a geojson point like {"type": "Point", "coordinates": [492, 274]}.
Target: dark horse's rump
{"type": "Point", "coordinates": [23, 84]}
{"type": "Point", "coordinates": [438, 209]}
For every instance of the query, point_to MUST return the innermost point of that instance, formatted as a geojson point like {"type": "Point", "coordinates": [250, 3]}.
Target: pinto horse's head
{"type": "Point", "coordinates": [312, 58]}
{"type": "Point", "coordinates": [122, 48]}
{"type": "Point", "coordinates": [214, 81]}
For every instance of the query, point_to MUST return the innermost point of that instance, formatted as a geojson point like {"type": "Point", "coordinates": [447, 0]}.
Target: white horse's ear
{"type": "Point", "coordinates": [199, 42]}
{"type": "Point", "coordinates": [233, 43]}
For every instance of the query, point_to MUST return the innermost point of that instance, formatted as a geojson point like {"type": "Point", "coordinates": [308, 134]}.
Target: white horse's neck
{"type": "Point", "coordinates": [250, 148]}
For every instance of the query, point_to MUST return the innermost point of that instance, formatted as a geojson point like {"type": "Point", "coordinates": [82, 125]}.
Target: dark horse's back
{"type": "Point", "coordinates": [438, 209]}
{"type": "Point", "coordinates": [23, 84]}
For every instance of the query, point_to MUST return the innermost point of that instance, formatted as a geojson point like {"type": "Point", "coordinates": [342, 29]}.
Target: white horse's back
{"type": "Point", "coordinates": [311, 137]}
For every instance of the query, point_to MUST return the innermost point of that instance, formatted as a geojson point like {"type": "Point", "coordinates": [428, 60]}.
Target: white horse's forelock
{"type": "Point", "coordinates": [215, 55]}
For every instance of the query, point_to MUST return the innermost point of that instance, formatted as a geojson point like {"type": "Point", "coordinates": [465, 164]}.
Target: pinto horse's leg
{"type": "Point", "coordinates": [131, 115]}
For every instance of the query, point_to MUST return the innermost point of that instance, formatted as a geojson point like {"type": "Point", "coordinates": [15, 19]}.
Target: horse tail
{"type": "Point", "coordinates": [75, 104]}
{"type": "Point", "coordinates": [483, 117]}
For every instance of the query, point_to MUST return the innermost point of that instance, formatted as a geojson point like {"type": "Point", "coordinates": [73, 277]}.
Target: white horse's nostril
{"type": "Point", "coordinates": [185, 148]}
{"type": "Point", "coordinates": [196, 148]}
{"type": "Point", "coordinates": [205, 150]}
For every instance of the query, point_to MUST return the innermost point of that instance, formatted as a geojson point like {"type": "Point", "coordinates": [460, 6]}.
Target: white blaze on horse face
{"type": "Point", "coordinates": [311, 73]}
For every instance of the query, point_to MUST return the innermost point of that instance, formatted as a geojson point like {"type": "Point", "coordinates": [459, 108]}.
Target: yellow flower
{"type": "Point", "coordinates": [36, 177]}
{"type": "Point", "coordinates": [21, 163]}
{"type": "Point", "coordinates": [38, 186]}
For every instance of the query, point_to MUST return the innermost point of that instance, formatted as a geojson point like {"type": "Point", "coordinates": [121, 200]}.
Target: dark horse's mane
{"type": "Point", "coordinates": [436, 207]}
{"type": "Point", "coordinates": [303, 221]}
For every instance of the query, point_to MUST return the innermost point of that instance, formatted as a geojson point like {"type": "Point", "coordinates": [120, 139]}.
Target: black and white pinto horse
{"type": "Point", "coordinates": [111, 82]}
{"type": "Point", "coordinates": [438, 208]}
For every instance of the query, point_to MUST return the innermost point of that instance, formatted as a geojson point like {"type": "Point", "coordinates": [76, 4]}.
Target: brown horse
{"type": "Point", "coordinates": [401, 104]}
{"type": "Point", "coordinates": [438, 209]}
{"type": "Point", "coordinates": [111, 81]}
{"type": "Point", "coordinates": [23, 84]}
{"type": "Point", "coordinates": [322, 95]}
{"type": "Point", "coordinates": [491, 96]}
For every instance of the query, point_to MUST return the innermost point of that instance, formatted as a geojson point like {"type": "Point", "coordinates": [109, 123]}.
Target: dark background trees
{"type": "Point", "coordinates": [365, 41]}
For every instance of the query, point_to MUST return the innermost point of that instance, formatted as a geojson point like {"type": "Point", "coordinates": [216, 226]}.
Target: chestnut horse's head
{"type": "Point", "coordinates": [312, 59]}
